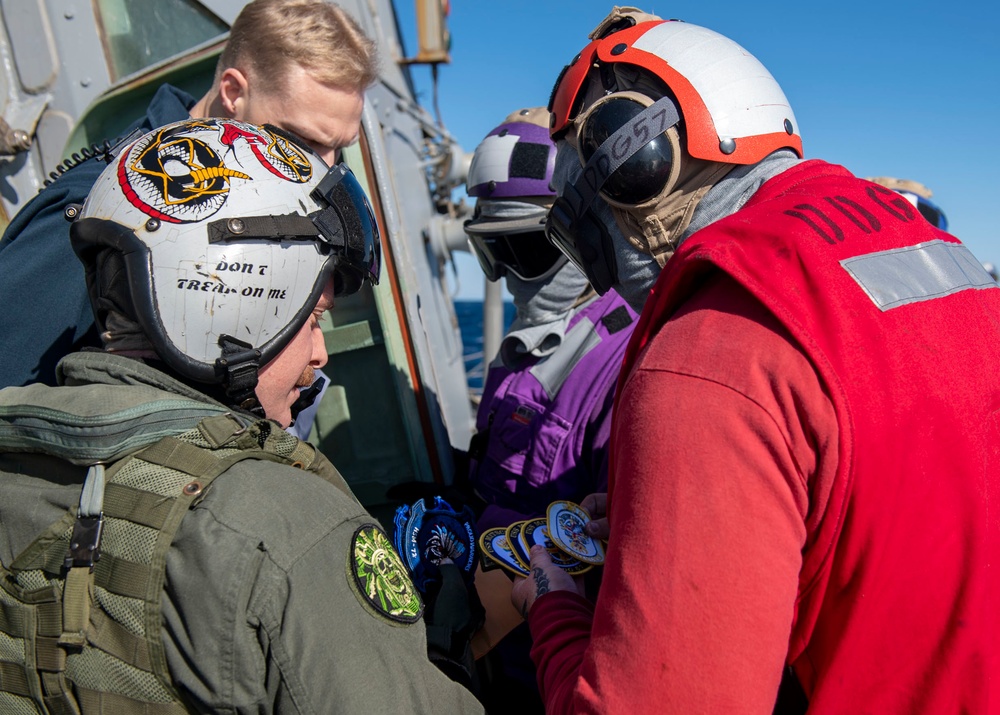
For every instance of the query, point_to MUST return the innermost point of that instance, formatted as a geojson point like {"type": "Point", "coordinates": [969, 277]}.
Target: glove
{"type": "Point", "coordinates": [453, 614]}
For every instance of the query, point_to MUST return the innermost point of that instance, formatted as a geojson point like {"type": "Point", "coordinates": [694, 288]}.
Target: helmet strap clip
{"type": "Point", "coordinates": [238, 365]}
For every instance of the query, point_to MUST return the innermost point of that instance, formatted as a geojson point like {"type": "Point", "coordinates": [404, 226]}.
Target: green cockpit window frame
{"type": "Point", "coordinates": [137, 35]}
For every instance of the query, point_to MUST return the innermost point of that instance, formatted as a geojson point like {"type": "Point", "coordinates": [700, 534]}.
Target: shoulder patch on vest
{"type": "Point", "coordinates": [617, 319]}
{"type": "Point", "coordinates": [379, 577]}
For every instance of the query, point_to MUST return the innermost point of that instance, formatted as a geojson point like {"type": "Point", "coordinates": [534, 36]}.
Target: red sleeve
{"type": "Point", "coordinates": [560, 624]}
{"type": "Point", "coordinates": [720, 459]}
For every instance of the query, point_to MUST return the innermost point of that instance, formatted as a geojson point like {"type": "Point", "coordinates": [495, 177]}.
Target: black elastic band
{"type": "Point", "coordinates": [659, 117]}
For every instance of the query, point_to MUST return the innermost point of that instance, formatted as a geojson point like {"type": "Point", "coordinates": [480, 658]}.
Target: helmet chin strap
{"type": "Point", "coordinates": [239, 367]}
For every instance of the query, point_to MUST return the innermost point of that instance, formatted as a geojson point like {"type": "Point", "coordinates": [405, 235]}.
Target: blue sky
{"type": "Point", "coordinates": [910, 90]}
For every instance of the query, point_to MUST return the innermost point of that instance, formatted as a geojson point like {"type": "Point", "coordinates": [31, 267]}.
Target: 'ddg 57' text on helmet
{"type": "Point", "coordinates": [226, 234]}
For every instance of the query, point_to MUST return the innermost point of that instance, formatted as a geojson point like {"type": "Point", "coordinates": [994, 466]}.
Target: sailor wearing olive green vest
{"type": "Point", "coordinates": [166, 547]}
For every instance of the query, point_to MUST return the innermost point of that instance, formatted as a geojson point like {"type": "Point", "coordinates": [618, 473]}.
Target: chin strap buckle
{"type": "Point", "coordinates": [239, 366]}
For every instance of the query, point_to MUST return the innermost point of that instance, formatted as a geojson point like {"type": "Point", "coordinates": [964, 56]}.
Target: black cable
{"type": "Point", "coordinates": [103, 150]}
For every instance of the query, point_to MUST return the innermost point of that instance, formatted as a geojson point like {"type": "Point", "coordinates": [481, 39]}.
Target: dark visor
{"type": "Point", "coordinates": [932, 213]}
{"type": "Point", "coordinates": [528, 255]}
{"type": "Point", "coordinates": [348, 224]}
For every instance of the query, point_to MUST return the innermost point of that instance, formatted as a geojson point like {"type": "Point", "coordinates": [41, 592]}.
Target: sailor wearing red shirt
{"type": "Point", "coordinates": [806, 437]}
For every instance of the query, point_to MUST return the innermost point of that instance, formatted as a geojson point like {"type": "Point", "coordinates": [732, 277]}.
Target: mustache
{"type": "Point", "coordinates": [307, 378]}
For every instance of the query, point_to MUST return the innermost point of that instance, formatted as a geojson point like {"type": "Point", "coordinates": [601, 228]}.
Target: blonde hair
{"type": "Point", "coordinates": [269, 36]}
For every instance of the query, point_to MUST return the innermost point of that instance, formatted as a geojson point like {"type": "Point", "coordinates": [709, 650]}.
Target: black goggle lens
{"type": "Point", "coordinates": [361, 255]}
{"type": "Point", "coordinates": [932, 213]}
{"type": "Point", "coordinates": [643, 175]}
{"type": "Point", "coordinates": [528, 255]}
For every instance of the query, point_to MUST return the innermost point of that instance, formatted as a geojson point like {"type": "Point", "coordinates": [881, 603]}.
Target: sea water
{"type": "Point", "coordinates": [470, 323]}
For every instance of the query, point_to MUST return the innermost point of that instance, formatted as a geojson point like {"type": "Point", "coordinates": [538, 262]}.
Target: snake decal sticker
{"type": "Point", "coordinates": [180, 179]}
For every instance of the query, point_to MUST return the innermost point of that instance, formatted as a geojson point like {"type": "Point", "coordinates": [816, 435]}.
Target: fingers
{"type": "Point", "coordinates": [598, 528]}
{"type": "Point", "coordinates": [595, 504]}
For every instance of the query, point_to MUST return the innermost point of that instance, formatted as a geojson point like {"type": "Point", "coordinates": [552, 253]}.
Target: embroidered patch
{"type": "Point", "coordinates": [423, 537]}
{"type": "Point", "coordinates": [566, 522]}
{"type": "Point", "coordinates": [380, 577]}
{"type": "Point", "coordinates": [617, 319]}
{"type": "Point", "coordinates": [493, 543]}
{"type": "Point", "coordinates": [523, 414]}
{"type": "Point", "coordinates": [536, 531]}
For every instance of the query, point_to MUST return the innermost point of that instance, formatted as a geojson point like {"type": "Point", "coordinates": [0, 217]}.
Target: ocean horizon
{"type": "Point", "coordinates": [470, 324]}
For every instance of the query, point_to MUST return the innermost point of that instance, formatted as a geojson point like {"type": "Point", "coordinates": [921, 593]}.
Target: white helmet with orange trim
{"type": "Point", "coordinates": [658, 111]}
{"type": "Point", "coordinates": [732, 109]}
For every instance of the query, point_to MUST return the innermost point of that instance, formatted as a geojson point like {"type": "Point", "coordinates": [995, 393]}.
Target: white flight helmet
{"type": "Point", "coordinates": [227, 234]}
{"type": "Point", "coordinates": [732, 109]}
{"type": "Point", "coordinates": [644, 95]}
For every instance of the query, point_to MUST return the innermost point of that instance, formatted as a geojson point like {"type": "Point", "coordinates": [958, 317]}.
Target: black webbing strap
{"type": "Point", "coordinates": [288, 227]}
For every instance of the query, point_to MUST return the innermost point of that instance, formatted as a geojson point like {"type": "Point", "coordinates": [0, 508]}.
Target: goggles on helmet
{"type": "Point", "coordinates": [348, 224]}
{"type": "Point", "coordinates": [928, 209]}
{"type": "Point", "coordinates": [526, 254]}
{"type": "Point", "coordinates": [645, 172]}
{"type": "Point", "coordinates": [572, 225]}
{"type": "Point", "coordinates": [345, 228]}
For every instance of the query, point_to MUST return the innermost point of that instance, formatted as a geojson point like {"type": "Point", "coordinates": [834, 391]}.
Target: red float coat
{"type": "Point", "coordinates": [805, 469]}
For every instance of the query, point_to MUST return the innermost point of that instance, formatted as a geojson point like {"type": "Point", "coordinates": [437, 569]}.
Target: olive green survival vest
{"type": "Point", "coordinates": [80, 628]}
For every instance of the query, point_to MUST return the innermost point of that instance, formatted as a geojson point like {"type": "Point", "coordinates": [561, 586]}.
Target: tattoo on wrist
{"type": "Point", "coordinates": [541, 582]}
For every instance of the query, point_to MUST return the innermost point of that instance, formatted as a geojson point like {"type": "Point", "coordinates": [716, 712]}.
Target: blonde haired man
{"type": "Point", "coordinates": [301, 65]}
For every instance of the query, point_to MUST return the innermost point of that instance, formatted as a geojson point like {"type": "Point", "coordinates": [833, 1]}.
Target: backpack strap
{"type": "Point", "coordinates": [65, 622]}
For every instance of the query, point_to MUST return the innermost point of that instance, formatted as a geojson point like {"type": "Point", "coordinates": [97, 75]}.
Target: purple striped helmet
{"type": "Point", "coordinates": [515, 160]}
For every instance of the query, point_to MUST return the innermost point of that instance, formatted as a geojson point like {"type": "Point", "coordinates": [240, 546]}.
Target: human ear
{"type": "Point", "coordinates": [233, 94]}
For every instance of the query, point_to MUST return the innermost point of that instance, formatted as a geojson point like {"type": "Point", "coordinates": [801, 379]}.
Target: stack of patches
{"type": "Point", "coordinates": [425, 537]}
{"type": "Point", "coordinates": [561, 532]}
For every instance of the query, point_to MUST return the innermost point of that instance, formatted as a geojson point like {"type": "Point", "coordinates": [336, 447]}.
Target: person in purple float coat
{"type": "Point", "coordinates": [544, 421]}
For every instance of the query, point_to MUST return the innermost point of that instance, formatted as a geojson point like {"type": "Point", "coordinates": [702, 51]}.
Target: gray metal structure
{"type": "Point", "coordinates": [76, 72]}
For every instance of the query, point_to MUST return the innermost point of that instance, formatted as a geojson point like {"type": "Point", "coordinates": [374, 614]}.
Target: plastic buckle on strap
{"type": "Point", "coordinates": [239, 364]}
{"type": "Point", "coordinates": [85, 542]}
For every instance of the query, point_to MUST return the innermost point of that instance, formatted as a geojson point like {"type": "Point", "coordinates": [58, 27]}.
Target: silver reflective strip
{"type": "Point", "coordinates": [553, 371]}
{"type": "Point", "coordinates": [916, 273]}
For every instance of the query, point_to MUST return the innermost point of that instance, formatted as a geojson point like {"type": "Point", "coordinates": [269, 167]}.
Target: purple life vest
{"type": "Point", "coordinates": [542, 430]}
